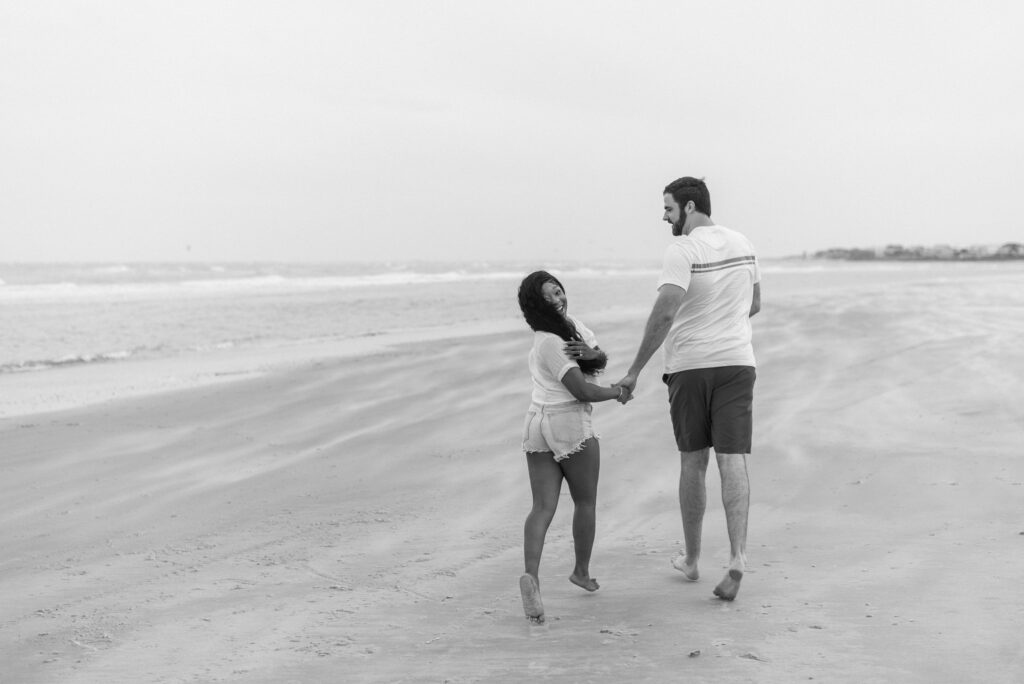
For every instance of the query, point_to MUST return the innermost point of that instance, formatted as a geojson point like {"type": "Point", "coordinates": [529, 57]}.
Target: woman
{"type": "Point", "coordinates": [558, 438]}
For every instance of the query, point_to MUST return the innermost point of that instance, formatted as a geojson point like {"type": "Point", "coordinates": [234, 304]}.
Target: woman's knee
{"type": "Point", "coordinates": [543, 509]}
{"type": "Point", "coordinates": [585, 505]}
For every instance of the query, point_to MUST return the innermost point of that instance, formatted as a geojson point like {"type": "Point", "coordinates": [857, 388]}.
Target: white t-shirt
{"type": "Point", "coordinates": [549, 364]}
{"type": "Point", "coordinates": [718, 268]}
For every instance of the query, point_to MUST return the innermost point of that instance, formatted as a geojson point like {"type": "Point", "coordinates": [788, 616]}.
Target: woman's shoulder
{"type": "Point", "coordinates": [577, 322]}
{"type": "Point", "coordinates": [545, 342]}
{"type": "Point", "coordinates": [542, 336]}
{"type": "Point", "coordinates": [586, 333]}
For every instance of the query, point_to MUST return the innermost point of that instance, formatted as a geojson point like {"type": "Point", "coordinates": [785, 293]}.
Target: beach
{"type": "Point", "coordinates": [349, 507]}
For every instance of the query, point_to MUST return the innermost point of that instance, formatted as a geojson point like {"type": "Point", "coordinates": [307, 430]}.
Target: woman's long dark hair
{"type": "Point", "coordinates": [541, 315]}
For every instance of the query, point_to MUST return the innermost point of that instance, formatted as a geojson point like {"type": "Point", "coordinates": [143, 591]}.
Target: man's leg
{"type": "Point", "coordinates": [736, 501]}
{"type": "Point", "coordinates": [693, 499]}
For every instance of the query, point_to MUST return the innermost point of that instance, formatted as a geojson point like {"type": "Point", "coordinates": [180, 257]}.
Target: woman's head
{"type": "Point", "coordinates": [554, 293]}
{"type": "Point", "coordinates": [543, 302]}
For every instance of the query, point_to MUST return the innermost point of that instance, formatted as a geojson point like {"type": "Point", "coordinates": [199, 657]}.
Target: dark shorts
{"type": "Point", "coordinates": [712, 407]}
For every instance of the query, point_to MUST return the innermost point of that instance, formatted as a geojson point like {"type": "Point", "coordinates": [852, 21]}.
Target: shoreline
{"type": "Point", "coordinates": [57, 389]}
{"type": "Point", "coordinates": [24, 393]}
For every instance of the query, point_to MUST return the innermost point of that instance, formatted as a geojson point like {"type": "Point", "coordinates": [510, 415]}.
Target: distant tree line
{"type": "Point", "coordinates": [1009, 250]}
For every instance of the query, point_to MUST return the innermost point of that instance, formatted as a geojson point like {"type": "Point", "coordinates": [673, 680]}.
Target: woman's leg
{"type": "Point", "coordinates": [581, 472]}
{"type": "Point", "coordinates": [546, 485]}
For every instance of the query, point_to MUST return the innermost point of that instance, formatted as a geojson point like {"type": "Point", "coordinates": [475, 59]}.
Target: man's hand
{"type": "Point", "coordinates": [628, 381]}
{"type": "Point", "coordinates": [624, 395]}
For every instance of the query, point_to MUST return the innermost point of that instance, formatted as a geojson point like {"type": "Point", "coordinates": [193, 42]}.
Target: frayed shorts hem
{"type": "Point", "coordinates": [562, 429]}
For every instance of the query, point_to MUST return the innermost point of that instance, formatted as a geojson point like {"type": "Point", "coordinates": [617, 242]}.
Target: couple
{"type": "Point", "coordinates": [708, 290]}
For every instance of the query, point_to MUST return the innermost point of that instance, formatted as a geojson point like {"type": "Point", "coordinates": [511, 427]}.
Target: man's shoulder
{"type": "Point", "coordinates": [734, 236]}
{"type": "Point", "coordinates": [684, 245]}
{"type": "Point", "coordinates": [718, 230]}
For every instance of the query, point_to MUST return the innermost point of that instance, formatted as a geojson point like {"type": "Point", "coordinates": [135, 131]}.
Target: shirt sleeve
{"type": "Point", "coordinates": [552, 358]}
{"type": "Point", "coordinates": [675, 269]}
{"type": "Point", "coordinates": [757, 263]}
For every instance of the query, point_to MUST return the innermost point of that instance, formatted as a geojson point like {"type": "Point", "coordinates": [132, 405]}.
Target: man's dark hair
{"type": "Point", "coordinates": [687, 188]}
{"type": "Point", "coordinates": [541, 315]}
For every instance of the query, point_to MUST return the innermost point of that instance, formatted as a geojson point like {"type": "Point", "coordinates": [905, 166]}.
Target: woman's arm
{"type": "Point", "coordinates": [580, 350]}
{"type": "Point", "coordinates": [578, 386]}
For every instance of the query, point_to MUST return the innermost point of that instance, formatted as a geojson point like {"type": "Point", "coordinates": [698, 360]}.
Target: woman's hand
{"type": "Point", "coordinates": [580, 351]}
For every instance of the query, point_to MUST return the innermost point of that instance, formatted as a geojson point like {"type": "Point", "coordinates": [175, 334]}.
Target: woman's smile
{"type": "Point", "coordinates": [554, 294]}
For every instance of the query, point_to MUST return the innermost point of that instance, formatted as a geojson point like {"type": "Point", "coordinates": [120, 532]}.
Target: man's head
{"type": "Point", "coordinates": [684, 198]}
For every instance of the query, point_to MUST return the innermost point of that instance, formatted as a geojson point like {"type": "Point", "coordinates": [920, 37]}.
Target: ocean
{"type": "Point", "coordinates": [63, 314]}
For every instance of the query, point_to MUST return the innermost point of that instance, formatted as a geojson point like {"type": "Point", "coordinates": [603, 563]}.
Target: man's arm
{"type": "Point", "coordinates": [755, 304]}
{"type": "Point", "coordinates": [670, 298]}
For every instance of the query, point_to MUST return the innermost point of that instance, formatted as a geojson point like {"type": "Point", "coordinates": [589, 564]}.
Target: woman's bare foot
{"type": "Point", "coordinates": [729, 586]}
{"type": "Point", "coordinates": [588, 583]}
{"type": "Point", "coordinates": [689, 571]}
{"type": "Point", "coordinates": [532, 605]}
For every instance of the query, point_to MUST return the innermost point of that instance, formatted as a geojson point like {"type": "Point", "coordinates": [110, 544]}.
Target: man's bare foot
{"type": "Point", "coordinates": [588, 583]}
{"type": "Point", "coordinates": [690, 572]}
{"type": "Point", "coordinates": [532, 606]}
{"type": "Point", "coordinates": [729, 586]}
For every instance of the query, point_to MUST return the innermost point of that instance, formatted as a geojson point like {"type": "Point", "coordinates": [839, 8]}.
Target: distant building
{"type": "Point", "coordinates": [896, 252]}
{"type": "Point", "coordinates": [1011, 250]}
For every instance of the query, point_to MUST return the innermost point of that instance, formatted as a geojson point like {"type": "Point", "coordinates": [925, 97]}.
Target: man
{"type": "Point", "coordinates": [708, 290]}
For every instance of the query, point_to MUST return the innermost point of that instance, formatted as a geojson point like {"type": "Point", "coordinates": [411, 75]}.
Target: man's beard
{"type": "Point", "coordinates": [677, 227]}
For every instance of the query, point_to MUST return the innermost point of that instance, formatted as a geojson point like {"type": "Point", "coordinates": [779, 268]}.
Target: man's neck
{"type": "Point", "coordinates": [698, 220]}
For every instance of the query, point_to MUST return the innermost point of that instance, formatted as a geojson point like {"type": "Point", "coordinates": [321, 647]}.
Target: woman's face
{"type": "Point", "coordinates": [554, 294]}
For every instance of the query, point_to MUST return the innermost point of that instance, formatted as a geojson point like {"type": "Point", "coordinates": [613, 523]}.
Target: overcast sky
{"type": "Point", "coordinates": [470, 129]}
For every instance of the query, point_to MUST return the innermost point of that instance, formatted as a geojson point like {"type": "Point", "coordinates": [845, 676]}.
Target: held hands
{"type": "Point", "coordinates": [627, 384]}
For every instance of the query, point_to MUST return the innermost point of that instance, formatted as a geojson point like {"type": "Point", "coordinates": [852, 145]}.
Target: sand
{"type": "Point", "coordinates": [355, 515]}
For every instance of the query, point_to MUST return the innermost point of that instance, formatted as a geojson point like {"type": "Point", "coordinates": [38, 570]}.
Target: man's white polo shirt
{"type": "Point", "coordinates": [718, 268]}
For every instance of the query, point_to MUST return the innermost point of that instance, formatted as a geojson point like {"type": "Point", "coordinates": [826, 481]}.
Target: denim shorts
{"type": "Point", "coordinates": [559, 428]}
